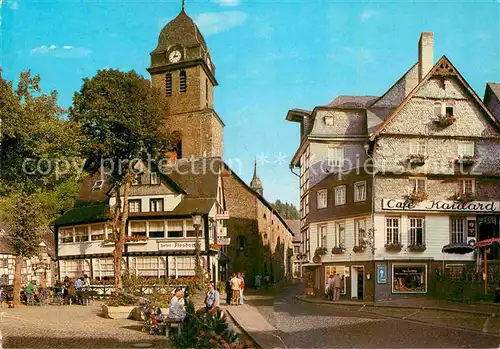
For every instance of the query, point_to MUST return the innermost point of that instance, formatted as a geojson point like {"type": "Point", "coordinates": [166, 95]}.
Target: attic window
{"type": "Point", "coordinates": [98, 185]}
{"type": "Point", "coordinates": [155, 179]}
{"type": "Point", "coordinates": [328, 120]}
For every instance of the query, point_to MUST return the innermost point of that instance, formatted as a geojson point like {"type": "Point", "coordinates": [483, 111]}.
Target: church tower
{"type": "Point", "coordinates": [182, 68]}
{"type": "Point", "coordinates": [256, 184]}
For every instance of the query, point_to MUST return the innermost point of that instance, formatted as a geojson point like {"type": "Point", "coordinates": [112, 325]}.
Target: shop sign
{"type": "Point", "coordinates": [223, 241]}
{"type": "Point", "coordinates": [381, 273]}
{"type": "Point", "coordinates": [440, 205]}
{"type": "Point", "coordinates": [176, 246]}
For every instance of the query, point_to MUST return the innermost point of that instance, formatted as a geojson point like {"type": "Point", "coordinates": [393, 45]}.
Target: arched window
{"type": "Point", "coordinates": [437, 109]}
{"type": "Point", "coordinates": [183, 81]}
{"type": "Point", "coordinates": [168, 84]}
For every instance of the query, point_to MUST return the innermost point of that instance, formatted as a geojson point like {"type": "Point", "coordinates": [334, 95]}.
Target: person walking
{"type": "Point", "coordinates": [228, 291]}
{"type": "Point", "coordinates": [337, 286]}
{"type": "Point", "coordinates": [44, 294]}
{"type": "Point", "coordinates": [30, 293]}
{"type": "Point", "coordinates": [329, 288]}
{"type": "Point", "coordinates": [235, 290]}
{"type": "Point", "coordinates": [242, 286]}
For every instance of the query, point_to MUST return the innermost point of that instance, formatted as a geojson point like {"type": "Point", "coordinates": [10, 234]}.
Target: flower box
{"type": "Point", "coordinates": [466, 160]}
{"type": "Point", "coordinates": [215, 247]}
{"type": "Point", "coordinates": [393, 247]}
{"type": "Point", "coordinates": [338, 250]}
{"type": "Point", "coordinates": [464, 197]}
{"type": "Point", "coordinates": [359, 248]}
{"type": "Point", "coordinates": [417, 196]}
{"type": "Point", "coordinates": [445, 120]}
{"type": "Point", "coordinates": [416, 248]}
{"type": "Point", "coordinates": [136, 239]}
{"type": "Point", "coordinates": [416, 159]}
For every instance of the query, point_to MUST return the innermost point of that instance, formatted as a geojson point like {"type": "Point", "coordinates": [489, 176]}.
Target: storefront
{"type": "Point", "coordinates": [357, 279]}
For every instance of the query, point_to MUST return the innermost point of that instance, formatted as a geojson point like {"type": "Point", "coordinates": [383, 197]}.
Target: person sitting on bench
{"type": "Point", "coordinates": [212, 300]}
{"type": "Point", "coordinates": [177, 309]}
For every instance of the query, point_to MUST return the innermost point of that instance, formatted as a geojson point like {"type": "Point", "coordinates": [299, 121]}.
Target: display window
{"type": "Point", "coordinates": [409, 278]}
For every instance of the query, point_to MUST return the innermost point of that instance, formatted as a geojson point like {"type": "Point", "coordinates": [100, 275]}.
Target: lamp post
{"type": "Point", "coordinates": [198, 269]}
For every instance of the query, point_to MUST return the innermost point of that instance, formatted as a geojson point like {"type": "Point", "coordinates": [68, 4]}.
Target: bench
{"type": "Point", "coordinates": [172, 323]}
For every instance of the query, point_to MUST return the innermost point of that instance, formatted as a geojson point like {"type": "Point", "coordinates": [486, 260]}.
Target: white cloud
{"type": "Point", "coordinates": [65, 51]}
{"type": "Point", "coordinates": [217, 22]}
{"type": "Point", "coordinates": [366, 15]}
{"type": "Point", "coordinates": [228, 3]}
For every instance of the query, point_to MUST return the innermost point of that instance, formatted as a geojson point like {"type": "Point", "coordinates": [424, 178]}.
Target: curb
{"type": "Point", "coordinates": [473, 312]}
{"type": "Point", "coordinates": [413, 320]}
{"type": "Point", "coordinates": [260, 346]}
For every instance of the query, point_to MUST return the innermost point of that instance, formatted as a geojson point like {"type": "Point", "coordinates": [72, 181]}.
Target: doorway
{"type": "Point", "coordinates": [487, 229]}
{"type": "Point", "coordinates": [357, 282]}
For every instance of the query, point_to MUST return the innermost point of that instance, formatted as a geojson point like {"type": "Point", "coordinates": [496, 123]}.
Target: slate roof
{"type": "Point", "coordinates": [181, 30]}
{"type": "Point", "coordinates": [197, 177]}
{"type": "Point", "coordinates": [294, 225]}
{"type": "Point", "coordinates": [356, 102]}
{"type": "Point", "coordinates": [6, 247]}
{"type": "Point", "coordinates": [495, 87]}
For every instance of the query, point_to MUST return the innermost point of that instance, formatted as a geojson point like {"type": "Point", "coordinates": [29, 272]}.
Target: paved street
{"type": "Point", "coordinates": [71, 327]}
{"type": "Point", "coordinates": [305, 325]}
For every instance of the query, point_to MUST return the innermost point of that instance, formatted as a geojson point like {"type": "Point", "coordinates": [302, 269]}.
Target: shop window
{"type": "Point", "coordinates": [458, 226]}
{"type": "Point", "coordinates": [322, 233]}
{"type": "Point", "coordinates": [103, 268]}
{"type": "Point", "coordinates": [156, 229]}
{"type": "Point", "coordinates": [179, 266]}
{"type": "Point", "coordinates": [454, 271]}
{"type": "Point", "coordinates": [409, 278]}
{"type": "Point", "coordinates": [148, 266]}
{"type": "Point", "coordinates": [74, 268]}
{"type": "Point", "coordinates": [416, 233]}
{"type": "Point", "coordinates": [333, 270]}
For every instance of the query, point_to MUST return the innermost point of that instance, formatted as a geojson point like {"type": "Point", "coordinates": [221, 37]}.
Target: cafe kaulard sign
{"type": "Point", "coordinates": [440, 205]}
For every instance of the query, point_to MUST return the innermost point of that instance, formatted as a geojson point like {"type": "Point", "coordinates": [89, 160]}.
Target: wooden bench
{"type": "Point", "coordinates": [172, 323]}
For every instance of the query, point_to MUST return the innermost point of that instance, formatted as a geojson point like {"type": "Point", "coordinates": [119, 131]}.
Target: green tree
{"type": "Point", "coordinates": [286, 210]}
{"type": "Point", "coordinates": [38, 165]}
{"type": "Point", "coordinates": [120, 114]}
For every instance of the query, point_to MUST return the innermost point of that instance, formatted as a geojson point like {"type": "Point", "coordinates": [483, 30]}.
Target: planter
{"type": "Point", "coordinates": [445, 120]}
{"type": "Point", "coordinates": [416, 159]}
{"type": "Point", "coordinates": [464, 198]}
{"type": "Point", "coordinates": [338, 250]}
{"type": "Point", "coordinates": [359, 249]}
{"type": "Point", "coordinates": [415, 197]}
{"type": "Point", "coordinates": [393, 247]}
{"type": "Point", "coordinates": [121, 312]}
{"type": "Point", "coordinates": [416, 248]}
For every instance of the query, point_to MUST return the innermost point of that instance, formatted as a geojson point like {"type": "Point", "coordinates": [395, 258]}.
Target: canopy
{"type": "Point", "coordinates": [458, 247]}
{"type": "Point", "coordinates": [493, 242]}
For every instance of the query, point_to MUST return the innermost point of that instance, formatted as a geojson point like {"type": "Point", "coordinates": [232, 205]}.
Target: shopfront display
{"type": "Point", "coordinates": [409, 278]}
{"type": "Point", "coordinates": [336, 269]}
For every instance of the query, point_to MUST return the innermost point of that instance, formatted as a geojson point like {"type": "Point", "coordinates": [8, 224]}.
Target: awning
{"type": "Point", "coordinates": [459, 248]}
{"type": "Point", "coordinates": [493, 242]}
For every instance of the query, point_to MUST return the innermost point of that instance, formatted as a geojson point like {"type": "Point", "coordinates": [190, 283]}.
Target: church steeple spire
{"type": "Point", "coordinates": [256, 184]}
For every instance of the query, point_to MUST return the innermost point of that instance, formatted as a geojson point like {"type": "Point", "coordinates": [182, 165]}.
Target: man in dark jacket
{"type": "Point", "coordinates": [228, 291]}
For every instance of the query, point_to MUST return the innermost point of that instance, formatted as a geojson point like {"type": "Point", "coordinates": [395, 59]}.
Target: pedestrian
{"type": "Point", "coordinates": [337, 286]}
{"type": "Point", "coordinates": [257, 281]}
{"type": "Point", "coordinates": [329, 288]}
{"type": "Point", "coordinates": [71, 292]}
{"type": "Point", "coordinates": [212, 300]}
{"type": "Point", "coordinates": [267, 280]}
{"type": "Point", "coordinates": [79, 288]}
{"type": "Point", "coordinates": [228, 291]}
{"type": "Point", "coordinates": [43, 292]}
{"type": "Point", "coordinates": [235, 290]}
{"type": "Point", "coordinates": [242, 286]}
{"type": "Point", "coordinates": [30, 293]}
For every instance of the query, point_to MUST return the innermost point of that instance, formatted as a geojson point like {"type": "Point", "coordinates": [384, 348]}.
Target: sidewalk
{"type": "Point", "coordinates": [255, 326]}
{"type": "Point", "coordinates": [415, 303]}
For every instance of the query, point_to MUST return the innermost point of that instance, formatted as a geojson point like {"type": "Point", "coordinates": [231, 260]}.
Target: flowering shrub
{"type": "Point", "coordinates": [417, 159]}
{"type": "Point", "coordinates": [121, 300]}
{"type": "Point", "coordinates": [135, 238]}
{"type": "Point", "coordinates": [417, 196]}
{"type": "Point", "coordinates": [464, 197]}
{"type": "Point", "coordinates": [445, 120]}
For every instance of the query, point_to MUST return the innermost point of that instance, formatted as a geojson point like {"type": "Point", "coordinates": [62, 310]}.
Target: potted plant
{"type": "Point", "coordinates": [464, 198]}
{"type": "Point", "coordinates": [466, 160]}
{"type": "Point", "coordinates": [338, 250]}
{"type": "Point", "coordinates": [416, 247]}
{"type": "Point", "coordinates": [417, 196]}
{"type": "Point", "coordinates": [136, 239]}
{"type": "Point", "coordinates": [119, 307]}
{"type": "Point", "coordinates": [393, 247]}
{"type": "Point", "coordinates": [445, 120]}
{"type": "Point", "coordinates": [360, 248]}
{"type": "Point", "coordinates": [416, 159]}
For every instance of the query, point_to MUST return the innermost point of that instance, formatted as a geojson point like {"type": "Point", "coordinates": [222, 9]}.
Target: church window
{"type": "Point", "coordinates": [183, 81]}
{"type": "Point", "coordinates": [168, 84]}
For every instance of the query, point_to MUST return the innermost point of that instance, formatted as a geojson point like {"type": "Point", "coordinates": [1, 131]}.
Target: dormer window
{"type": "Point", "coordinates": [328, 120]}
{"type": "Point", "coordinates": [154, 178]}
{"type": "Point", "coordinates": [97, 185]}
{"type": "Point", "coordinates": [183, 81]}
{"type": "Point", "coordinates": [168, 84]}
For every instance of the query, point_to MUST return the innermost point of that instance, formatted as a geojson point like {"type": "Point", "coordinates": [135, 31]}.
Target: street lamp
{"type": "Point", "coordinates": [197, 225]}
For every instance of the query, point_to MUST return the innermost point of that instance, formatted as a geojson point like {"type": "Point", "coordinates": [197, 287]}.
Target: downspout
{"type": "Point", "coordinates": [291, 170]}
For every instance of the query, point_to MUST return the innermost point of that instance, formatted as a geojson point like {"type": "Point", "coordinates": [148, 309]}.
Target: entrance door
{"type": "Point", "coordinates": [361, 283]}
{"type": "Point", "coordinates": [354, 283]}
{"type": "Point", "coordinates": [488, 229]}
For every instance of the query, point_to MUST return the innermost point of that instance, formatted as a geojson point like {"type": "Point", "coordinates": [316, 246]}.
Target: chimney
{"type": "Point", "coordinates": [425, 54]}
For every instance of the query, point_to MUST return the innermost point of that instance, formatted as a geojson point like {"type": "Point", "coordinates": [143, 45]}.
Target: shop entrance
{"type": "Point", "coordinates": [357, 282]}
{"type": "Point", "coordinates": [487, 229]}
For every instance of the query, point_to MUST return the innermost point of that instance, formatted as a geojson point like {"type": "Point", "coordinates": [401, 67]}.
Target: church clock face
{"type": "Point", "coordinates": [175, 56]}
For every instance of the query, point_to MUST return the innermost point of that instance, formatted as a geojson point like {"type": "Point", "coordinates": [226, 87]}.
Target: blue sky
{"type": "Point", "coordinates": [270, 56]}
